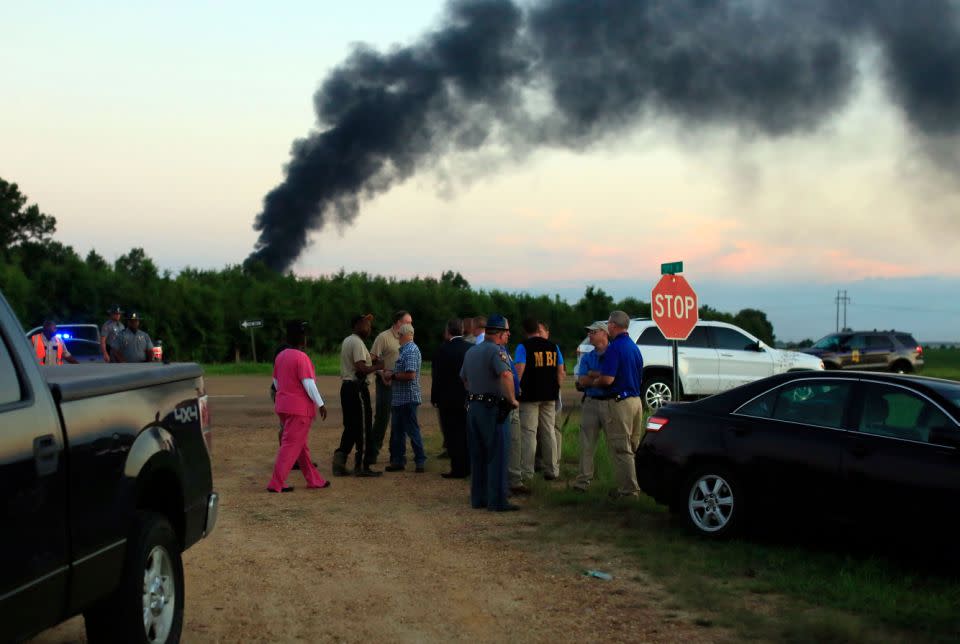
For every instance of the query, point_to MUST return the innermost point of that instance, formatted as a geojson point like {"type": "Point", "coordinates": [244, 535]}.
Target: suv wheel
{"type": "Point", "coordinates": [657, 391]}
{"type": "Point", "coordinates": [901, 366]}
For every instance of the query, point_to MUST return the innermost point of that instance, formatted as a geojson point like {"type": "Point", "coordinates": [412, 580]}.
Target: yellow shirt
{"type": "Point", "coordinates": [387, 346]}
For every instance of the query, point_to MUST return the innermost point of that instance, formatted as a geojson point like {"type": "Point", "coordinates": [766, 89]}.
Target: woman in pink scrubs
{"type": "Point", "coordinates": [297, 403]}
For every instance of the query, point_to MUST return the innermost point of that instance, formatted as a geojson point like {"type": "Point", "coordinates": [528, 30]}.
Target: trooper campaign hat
{"type": "Point", "coordinates": [496, 322]}
{"type": "Point", "coordinates": [133, 315]}
{"type": "Point", "coordinates": [114, 309]}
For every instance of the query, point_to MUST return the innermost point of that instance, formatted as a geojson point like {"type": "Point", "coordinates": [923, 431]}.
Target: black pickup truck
{"type": "Point", "coordinates": [104, 481]}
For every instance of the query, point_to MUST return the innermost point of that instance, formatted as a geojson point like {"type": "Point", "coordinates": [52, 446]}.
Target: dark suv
{"type": "Point", "coordinates": [870, 351]}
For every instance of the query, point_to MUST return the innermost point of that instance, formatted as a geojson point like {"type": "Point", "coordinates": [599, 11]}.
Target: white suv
{"type": "Point", "coordinates": [717, 356]}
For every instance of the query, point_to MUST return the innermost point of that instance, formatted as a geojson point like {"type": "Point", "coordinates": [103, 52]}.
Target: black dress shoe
{"type": "Point", "coordinates": [420, 469]}
{"type": "Point", "coordinates": [286, 489]}
{"type": "Point", "coordinates": [395, 468]}
{"type": "Point", "coordinates": [549, 477]}
{"type": "Point", "coordinates": [368, 473]}
{"type": "Point", "coordinates": [451, 475]}
{"type": "Point", "coordinates": [509, 507]}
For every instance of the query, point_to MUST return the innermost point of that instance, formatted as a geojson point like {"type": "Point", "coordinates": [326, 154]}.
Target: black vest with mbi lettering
{"type": "Point", "coordinates": [539, 381]}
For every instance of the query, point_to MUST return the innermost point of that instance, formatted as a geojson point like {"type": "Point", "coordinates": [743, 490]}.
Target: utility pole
{"type": "Point", "coordinates": [841, 298]}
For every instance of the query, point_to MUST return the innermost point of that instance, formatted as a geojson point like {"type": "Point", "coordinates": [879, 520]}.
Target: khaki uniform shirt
{"type": "Point", "coordinates": [353, 350]}
{"type": "Point", "coordinates": [387, 346]}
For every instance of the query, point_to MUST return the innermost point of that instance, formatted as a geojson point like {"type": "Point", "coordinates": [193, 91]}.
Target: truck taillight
{"type": "Point", "coordinates": [656, 423]}
{"type": "Point", "coordinates": [919, 350]}
{"type": "Point", "coordinates": [205, 429]}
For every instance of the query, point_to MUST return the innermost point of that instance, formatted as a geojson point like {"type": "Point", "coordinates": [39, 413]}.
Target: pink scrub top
{"type": "Point", "coordinates": [289, 370]}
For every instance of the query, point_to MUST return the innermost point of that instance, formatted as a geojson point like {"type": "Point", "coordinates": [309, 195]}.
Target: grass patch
{"type": "Point", "coordinates": [325, 364]}
{"type": "Point", "coordinates": [941, 363]}
{"type": "Point", "coordinates": [784, 587]}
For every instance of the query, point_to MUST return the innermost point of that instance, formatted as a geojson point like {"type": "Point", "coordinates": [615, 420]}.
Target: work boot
{"type": "Point", "coordinates": [359, 469]}
{"type": "Point", "coordinates": [340, 464]}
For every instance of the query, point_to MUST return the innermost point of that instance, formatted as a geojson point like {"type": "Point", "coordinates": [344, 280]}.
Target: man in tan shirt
{"type": "Point", "coordinates": [386, 347]}
{"type": "Point", "coordinates": [356, 366]}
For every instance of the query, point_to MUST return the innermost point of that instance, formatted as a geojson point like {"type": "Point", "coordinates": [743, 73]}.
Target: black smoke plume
{"type": "Point", "coordinates": [570, 72]}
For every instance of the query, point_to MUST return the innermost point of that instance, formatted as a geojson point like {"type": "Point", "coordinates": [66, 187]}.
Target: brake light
{"type": "Point", "coordinates": [656, 423]}
{"type": "Point", "coordinates": [919, 350]}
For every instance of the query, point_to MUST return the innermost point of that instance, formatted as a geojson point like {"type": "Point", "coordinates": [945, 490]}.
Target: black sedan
{"type": "Point", "coordinates": [879, 448]}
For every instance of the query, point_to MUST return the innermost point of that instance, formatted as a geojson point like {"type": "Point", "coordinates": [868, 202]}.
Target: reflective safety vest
{"type": "Point", "coordinates": [41, 349]}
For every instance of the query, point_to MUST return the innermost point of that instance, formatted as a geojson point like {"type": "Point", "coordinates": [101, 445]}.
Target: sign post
{"type": "Point", "coordinates": [252, 324]}
{"type": "Point", "coordinates": [674, 309]}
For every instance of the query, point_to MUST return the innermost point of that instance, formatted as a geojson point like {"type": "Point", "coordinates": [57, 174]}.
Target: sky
{"type": "Point", "coordinates": [164, 127]}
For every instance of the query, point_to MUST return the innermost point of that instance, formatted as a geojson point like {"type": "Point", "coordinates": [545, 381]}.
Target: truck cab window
{"type": "Point", "coordinates": [10, 391]}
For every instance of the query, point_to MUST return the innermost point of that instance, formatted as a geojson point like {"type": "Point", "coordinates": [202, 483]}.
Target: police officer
{"type": "Point", "coordinates": [109, 331]}
{"type": "Point", "coordinates": [133, 345]}
{"type": "Point", "coordinates": [488, 378]}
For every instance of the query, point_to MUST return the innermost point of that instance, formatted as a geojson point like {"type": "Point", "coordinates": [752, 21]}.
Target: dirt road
{"type": "Point", "coordinates": [401, 558]}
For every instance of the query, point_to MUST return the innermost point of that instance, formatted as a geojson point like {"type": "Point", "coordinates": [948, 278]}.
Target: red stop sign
{"type": "Point", "coordinates": [674, 307]}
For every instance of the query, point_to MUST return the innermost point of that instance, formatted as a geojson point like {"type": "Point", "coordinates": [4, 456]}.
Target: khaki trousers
{"type": "Point", "coordinates": [591, 424]}
{"type": "Point", "coordinates": [538, 424]}
{"type": "Point", "coordinates": [623, 423]}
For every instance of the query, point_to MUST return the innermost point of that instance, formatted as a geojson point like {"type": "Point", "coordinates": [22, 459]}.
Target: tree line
{"type": "Point", "coordinates": [196, 313]}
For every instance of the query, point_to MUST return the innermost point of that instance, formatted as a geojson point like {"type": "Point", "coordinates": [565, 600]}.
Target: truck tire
{"type": "Point", "coordinates": [657, 391]}
{"type": "Point", "coordinates": [147, 607]}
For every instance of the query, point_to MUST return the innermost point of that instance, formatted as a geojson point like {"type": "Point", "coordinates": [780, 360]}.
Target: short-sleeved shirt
{"type": "Point", "coordinates": [520, 356]}
{"type": "Point", "coordinates": [592, 361]}
{"type": "Point", "coordinates": [482, 367]}
{"type": "Point", "coordinates": [133, 346]}
{"type": "Point", "coordinates": [623, 361]}
{"type": "Point", "coordinates": [353, 350]}
{"type": "Point", "coordinates": [407, 391]}
{"type": "Point", "coordinates": [110, 330]}
{"type": "Point", "coordinates": [387, 346]}
{"type": "Point", "coordinates": [290, 369]}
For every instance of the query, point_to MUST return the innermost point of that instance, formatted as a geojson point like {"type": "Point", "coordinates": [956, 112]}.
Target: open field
{"type": "Point", "coordinates": [403, 558]}
{"type": "Point", "coordinates": [942, 363]}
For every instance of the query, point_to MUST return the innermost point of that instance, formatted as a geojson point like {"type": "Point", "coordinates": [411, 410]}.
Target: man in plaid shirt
{"type": "Point", "coordinates": [406, 399]}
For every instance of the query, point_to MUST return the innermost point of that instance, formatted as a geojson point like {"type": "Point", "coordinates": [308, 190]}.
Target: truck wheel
{"type": "Point", "coordinates": [657, 391]}
{"type": "Point", "coordinates": [147, 607]}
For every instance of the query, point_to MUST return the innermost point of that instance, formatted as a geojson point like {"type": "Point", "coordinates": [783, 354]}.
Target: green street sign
{"type": "Point", "coordinates": [671, 268]}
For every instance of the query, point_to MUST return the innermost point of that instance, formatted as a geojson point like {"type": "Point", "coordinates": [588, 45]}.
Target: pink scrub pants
{"type": "Point", "coordinates": [293, 449]}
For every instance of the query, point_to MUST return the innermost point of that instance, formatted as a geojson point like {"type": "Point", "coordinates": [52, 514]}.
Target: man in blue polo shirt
{"type": "Point", "coordinates": [620, 374]}
{"type": "Point", "coordinates": [592, 409]}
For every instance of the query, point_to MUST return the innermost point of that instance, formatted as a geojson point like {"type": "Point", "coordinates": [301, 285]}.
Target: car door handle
{"type": "Point", "coordinates": [46, 454]}
{"type": "Point", "coordinates": [726, 355]}
{"type": "Point", "coordinates": [859, 450]}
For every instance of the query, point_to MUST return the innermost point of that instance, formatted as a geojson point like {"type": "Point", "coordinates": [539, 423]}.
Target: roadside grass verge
{"type": "Point", "coordinates": [942, 363]}
{"type": "Point", "coordinates": [325, 364]}
{"type": "Point", "coordinates": [823, 584]}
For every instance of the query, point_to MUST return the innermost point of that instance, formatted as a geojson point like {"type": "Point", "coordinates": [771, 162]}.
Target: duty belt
{"type": "Point", "coordinates": [483, 398]}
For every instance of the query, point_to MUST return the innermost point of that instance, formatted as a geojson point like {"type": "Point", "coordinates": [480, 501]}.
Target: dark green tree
{"type": "Point", "coordinates": [19, 222]}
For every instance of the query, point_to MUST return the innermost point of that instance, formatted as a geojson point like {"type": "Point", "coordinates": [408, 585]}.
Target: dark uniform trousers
{"type": "Point", "coordinates": [489, 444]}
{"type": "Point", "coordinates": [357, 422]}
{"type": "Point", "coordinates": [453, 424]}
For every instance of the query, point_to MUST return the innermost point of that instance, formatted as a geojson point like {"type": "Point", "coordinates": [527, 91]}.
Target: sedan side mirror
{"type": "Point", "coordinates": [757, 346]}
